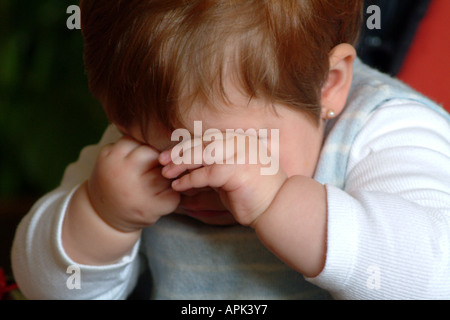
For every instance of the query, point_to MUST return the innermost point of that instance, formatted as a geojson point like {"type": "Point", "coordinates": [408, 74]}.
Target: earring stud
{"type": "Point", "coordinates": [331, 114]}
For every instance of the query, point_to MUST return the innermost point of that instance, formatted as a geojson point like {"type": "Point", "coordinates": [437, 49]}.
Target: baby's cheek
{"type": "Point", "coordinates": [289, 166]}
{"type": "Point", "coordinates": [294, 164]}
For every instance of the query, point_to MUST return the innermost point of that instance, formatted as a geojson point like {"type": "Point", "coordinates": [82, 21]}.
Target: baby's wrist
{"type": "Point", "coordinates": [282, 181]}
{"type": "Point", "coordinates": [88, 239]}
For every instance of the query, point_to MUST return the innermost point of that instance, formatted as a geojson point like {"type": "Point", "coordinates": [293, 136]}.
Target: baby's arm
{"type": "Point", "coordinates": [294, 227]}
{"type": "Point", "coordinates": [388, 231]}
{"type": "Point", "coordinates": [39, 259]}
{"type": "Point", "coordinates": [124, 194]}
{"type": "Point", "coordinates": [387, 235]}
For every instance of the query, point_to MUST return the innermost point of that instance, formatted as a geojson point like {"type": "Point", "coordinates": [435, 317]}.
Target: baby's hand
{"type": "Point", "coordinates": [126, 187]}
{"type": "Point", "coordinates": [242, 188]}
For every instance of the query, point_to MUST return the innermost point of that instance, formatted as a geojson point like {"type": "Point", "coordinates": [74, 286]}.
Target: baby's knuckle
{"type": "Point", "coordinates": [212, 171]}
{"type": "Point", "coordinates": [105, 151]}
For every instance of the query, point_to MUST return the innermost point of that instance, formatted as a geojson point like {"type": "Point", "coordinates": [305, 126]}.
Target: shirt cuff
{"type": "Point", "coordinates": [60, 248]}
{"type": "Point", "coordinates": [341, 241]}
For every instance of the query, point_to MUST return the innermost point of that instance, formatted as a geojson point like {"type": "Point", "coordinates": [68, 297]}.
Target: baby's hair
{"type": "Point", "coordinates": [146, 58]}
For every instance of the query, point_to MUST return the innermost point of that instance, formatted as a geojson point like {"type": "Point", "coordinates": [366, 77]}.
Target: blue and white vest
{"type": "Point", "coordinates": [370, 90]}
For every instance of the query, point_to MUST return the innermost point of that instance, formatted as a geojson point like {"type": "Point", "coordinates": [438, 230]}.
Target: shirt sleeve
{"type": "Point", "coordinates": [40, 265]}
{"type": "Point", "coordinates": [389, 229]}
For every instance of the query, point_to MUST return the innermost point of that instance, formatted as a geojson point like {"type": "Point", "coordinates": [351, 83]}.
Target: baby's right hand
{"type": "Point", "coordinates": [126, 187]}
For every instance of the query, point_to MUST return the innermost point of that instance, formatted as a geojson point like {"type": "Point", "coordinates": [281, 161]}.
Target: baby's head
{"type": "Point", "coordinates": [157, 65]}
{"type": "Point", "coordinates": [154, 59]}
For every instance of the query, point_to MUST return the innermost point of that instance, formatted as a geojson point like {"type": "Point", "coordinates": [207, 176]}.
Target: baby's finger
{"type": "Point", "coordinates": [187, 155]}
{"type": "Point", "coordinates": [143, 158]}
{"type": "Point", "coordinates": [122, 147]}
{"type": "Point", "coordinates": [215, 176]}
{"type": "Point", "coordinates": [177, 167]}
{"type": "Point", "coordinates": [165, 158]}
{"type": "Point", "coordinates": [172, 170]}
{"type": "Point", "coordinates": [155, 182]}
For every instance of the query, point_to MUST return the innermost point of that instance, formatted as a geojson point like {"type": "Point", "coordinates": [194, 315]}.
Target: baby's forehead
{"type": "Point", "coordinates": [242, 113]}
{"type": "Point", "coordinates": [204, 120]}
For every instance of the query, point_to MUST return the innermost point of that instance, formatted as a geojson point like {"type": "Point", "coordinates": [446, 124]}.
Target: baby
{"type": "Point", "coordinates": [357, 208]}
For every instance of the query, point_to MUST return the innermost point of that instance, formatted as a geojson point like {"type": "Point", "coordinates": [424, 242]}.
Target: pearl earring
{"type": "Point", "coordinates": [331, 114]}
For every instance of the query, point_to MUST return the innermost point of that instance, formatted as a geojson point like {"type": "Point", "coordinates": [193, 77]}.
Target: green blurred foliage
{"type": "Point", "coordinates": [47, 113]}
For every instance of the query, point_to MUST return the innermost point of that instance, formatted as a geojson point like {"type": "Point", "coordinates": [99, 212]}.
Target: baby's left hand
{"type": "Point", "coordinates": [242, 188]}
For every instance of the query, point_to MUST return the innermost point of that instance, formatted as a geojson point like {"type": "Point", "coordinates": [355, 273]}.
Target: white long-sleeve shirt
{"type": "Point", "coordinates": [388, 230]}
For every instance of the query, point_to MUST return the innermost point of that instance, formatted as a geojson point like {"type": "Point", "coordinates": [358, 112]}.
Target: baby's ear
{"type": "Point", "coordinates": [339, 81]}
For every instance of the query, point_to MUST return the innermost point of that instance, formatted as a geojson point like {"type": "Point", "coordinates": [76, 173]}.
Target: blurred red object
{"type": "Point", "coordinates": [4, 287]}
{"type": "Point", "coordinates": [427, 65]}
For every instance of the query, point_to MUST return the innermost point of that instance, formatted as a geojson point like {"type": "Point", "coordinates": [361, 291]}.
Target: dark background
{"type": "Point", "coordinates": [47, 114]}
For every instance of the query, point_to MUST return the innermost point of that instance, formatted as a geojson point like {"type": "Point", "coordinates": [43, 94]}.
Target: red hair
{"type": "Point", "coordinates": [145, 57]}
